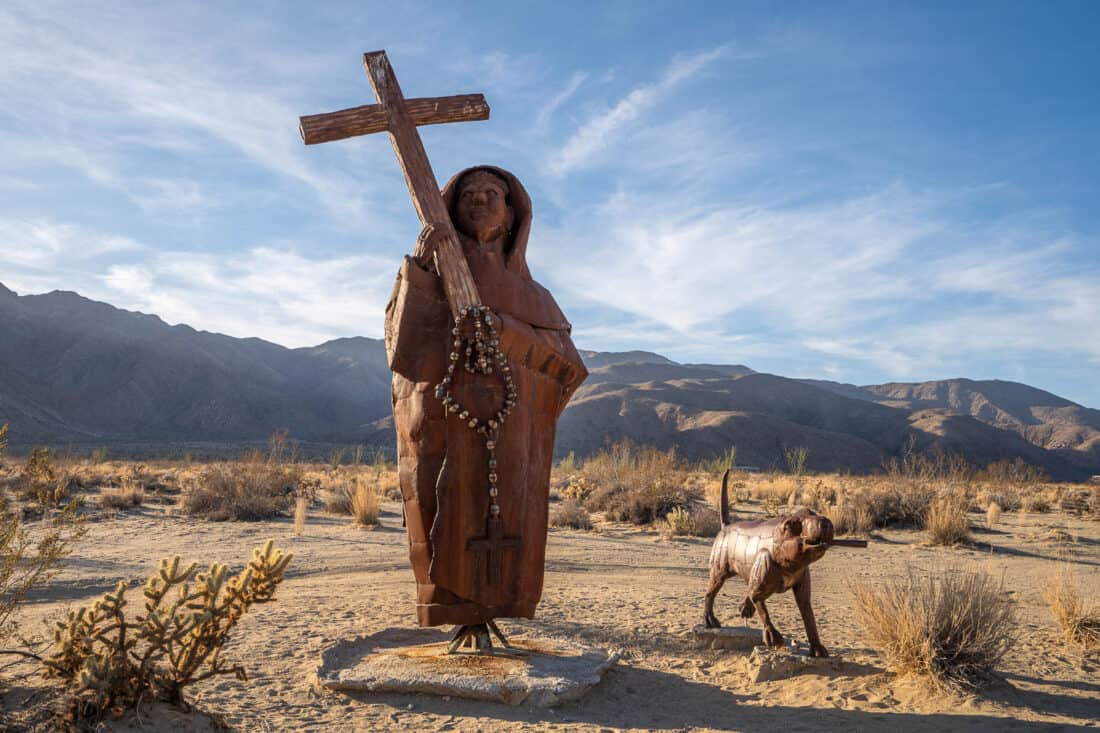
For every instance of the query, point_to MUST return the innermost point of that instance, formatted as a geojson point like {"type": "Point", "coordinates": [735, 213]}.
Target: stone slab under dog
{"type": "Point", "coordinates": [413, 661]}
{"type": "Point", "coordinates": [767, 664]}
{"type": "Point", "coordinates": [733, 638]}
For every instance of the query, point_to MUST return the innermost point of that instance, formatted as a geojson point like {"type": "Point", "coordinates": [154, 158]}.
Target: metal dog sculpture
{"type": "Point", "coordinates": [772, 556]}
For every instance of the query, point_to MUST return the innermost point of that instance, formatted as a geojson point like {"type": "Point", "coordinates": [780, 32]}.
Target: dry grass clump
{"type": "Point", "coordinates": [1080, 621]}
{"type": "Point", "coordinates": [992, 514]}
{"type": "Point", "coordinates": [365, 503]}
{"type": "Point", "coordinates": [337, 499]}
{"type": "Point", "coordinates": [570, 514]}
{"type": "Point", "coordinates": [946, 522]}
{"type": "Point", "coordinates": [131, 494]}
{"type": "Point", "coordinates": [698, 521]}
{"type": "Point", "coordinates": [638, 485]}
{"type": "Point", "coordinates": [250, 489]}
{"type": "Point", "coordinates": [850, 517]}
{"type": "Point", "coordinates": [952, 630]}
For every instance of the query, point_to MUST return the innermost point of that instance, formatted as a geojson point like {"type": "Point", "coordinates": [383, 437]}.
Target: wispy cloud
{"type": "Point", "coordinates": [547, 110]}
{"type": "Point", "coordinates": [598, 133]}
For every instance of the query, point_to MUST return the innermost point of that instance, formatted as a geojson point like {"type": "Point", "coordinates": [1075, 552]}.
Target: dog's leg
{"type": "Point", "coordinates": [803, 599]}
{"type": "Point", "coordinates": [761, 577]}
{"type": "Point", "coordinates": [747, 609]}
{"type": "Point", "coordinates": [716, 582]}
{"type": "Point", "coordinates": [772, 637]}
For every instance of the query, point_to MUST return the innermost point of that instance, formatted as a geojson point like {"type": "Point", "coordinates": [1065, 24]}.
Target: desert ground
{"type": "Point", "coordinates": [620, 586]}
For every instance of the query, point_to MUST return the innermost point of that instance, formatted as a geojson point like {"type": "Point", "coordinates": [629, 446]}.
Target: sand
{"type": "Point", "coordinates": [619, 587]}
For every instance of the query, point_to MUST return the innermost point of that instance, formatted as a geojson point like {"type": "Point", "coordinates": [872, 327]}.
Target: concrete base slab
{"type": "Point", "coordinates": [767, 664]}
{"type": "Point", "coordinates": [736, 638]}
{"type": "Point", "coordinates": [413, 661]}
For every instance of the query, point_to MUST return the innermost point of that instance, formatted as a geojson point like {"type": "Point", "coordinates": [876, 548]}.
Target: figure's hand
{"type": "Point", "coordinates": [427, 243]}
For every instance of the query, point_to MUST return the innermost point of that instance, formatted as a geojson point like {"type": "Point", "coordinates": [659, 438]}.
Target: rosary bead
{"type": "Point", "coordinates": [494, 509]}
{"type": "Point", "coordinates": [493, 491]}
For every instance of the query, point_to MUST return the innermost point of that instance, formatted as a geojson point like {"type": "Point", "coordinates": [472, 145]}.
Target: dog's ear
{"type": "Point", "coordinates": [791, 527]}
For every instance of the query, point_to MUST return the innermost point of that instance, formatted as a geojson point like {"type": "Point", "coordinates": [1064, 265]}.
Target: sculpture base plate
{"type": "Point", "coordinates": [736, 638]}
{"type": "Point", "coordinates": [415, 661]}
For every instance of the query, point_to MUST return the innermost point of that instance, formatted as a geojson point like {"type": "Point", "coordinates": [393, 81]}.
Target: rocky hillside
{"type": "Point", "coordinates": [75, 371]}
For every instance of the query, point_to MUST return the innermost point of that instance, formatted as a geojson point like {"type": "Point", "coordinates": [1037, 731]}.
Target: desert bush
{"type": "Point", "coordinates": [365, 503]}
{"type": "Point", "coordinates": [638, 485]}
{"type": "Point", "coordinates": [992, 514]}
{"type": "Point", "coordinates": [570, 514]}
{"type": "Point", "coordinates": [29, 559]}
{"type": "Point", "coordinates": [697, 521]}
{"type": "Point", "coordinates": [250, 489]}
{"type": "Point", "coordinates": [850, 517]}
{"type": "Point", "coordinates": [568, 464]}
{"type": "Point", "coordinates": [1080, 621]}
{"type": "Point", "coordinates": [796, 460]}
{"type": "Point", "coordinates": [301, 507]}
{"type": "Point", "coordinates": [112, 660]}
{"type": "Point", "coordinates": [727, 459]}
{"type": "Point", "coordinates": [131, 494]}
{"type": "Point", "coordinates": [946, 522]}
{"type": "Point", "coordinates": [952, 630]}
{"type": "Point", "coordinates": [338, 498]}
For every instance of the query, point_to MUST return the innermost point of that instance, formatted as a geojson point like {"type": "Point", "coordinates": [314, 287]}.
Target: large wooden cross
{"type": "Point", "coordinates": [399, 117]}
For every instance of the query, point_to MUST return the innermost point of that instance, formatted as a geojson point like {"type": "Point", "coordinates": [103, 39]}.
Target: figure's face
{"type": "Point", "coordinates": [482, 211]}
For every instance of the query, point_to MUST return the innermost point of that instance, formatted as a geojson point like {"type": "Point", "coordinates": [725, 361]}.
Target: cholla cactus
{"type": "Point", "coordinates": [112, 662]}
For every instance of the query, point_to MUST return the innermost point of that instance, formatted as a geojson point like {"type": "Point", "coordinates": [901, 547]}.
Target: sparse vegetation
{"type": "Point", "coordinates": [946, 522]}
{"type": "Point", "coordinates": [256, 487]}
{"type": "Point", "coordinates": [112, 660]}
{"type": "Point", "coordinates": [131, 494]}
{"type": "Point", "coordinates": [571, 514]}
{"type": "Point", "coordinates": [992, 515]}
{"type": "Point", "coordinates": [28, 561]}
{"type": "Point", "coordinates": [951, 629]}
{"type": "Point", "coordinates": [698, 521]}
{"type": "Point", "coordinates": [365, 504]}
{"type": "Point", "coordinates": [1078, 618]}
{"type": "Point", "coordinates": [637, 485]}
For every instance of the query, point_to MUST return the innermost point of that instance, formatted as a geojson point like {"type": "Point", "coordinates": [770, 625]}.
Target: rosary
{"type": "Point", "coordinates": [480, 354]}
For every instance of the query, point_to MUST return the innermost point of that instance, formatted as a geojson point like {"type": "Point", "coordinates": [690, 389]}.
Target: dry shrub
{"type": "Point", "coordinates": [951, 630]}
{"type": "Point", "coordinates": [638, 485]}
{"type": "Point", "coordinates": [570, 514]}
{"type": "Point", "coordinates": [850, 518]}
{"type": "Point", "coordinates": [1080, 621]}
{"type": "Point", "coordinates": [993, 514]}
{"type": "Point", "coordinates": [338, 498]}
{"type": "Point", "coordinates": [698, 521]}
{"type": "Point", "coordinates": [946, 522]}
{"type": "Point", "coordinates": [301, 506]}
{"type": "Point", "coordinates": [251, 489]}
{"type": "Point", "coordinates": [576, 489]}
{"type": "Point", "coordinates": [131, 494]}
{"type": "Point", "coordinates": [365, 503]}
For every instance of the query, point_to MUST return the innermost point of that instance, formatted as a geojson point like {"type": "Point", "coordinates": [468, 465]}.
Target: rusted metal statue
{"type": "Point", "coordinates": [772, 556]}
{"type": "Point", "coordinates": [483, 365]}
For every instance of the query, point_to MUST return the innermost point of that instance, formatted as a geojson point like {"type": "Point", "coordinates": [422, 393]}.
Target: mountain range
{"type": "Point", "coordinates": [83, 373]}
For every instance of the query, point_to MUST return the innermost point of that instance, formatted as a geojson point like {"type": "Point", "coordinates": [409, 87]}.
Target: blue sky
{"type": "Point", "coordinates": [864, 192]}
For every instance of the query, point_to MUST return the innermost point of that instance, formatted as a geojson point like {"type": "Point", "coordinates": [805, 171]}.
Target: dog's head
{"type": "Point", "coordinates": [810, 533]}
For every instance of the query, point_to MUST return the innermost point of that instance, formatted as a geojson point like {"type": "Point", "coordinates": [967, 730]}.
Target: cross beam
{"type": "Point", "coordinates": [400, 117]}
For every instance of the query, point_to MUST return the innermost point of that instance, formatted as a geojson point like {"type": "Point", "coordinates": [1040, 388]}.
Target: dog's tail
{"type": "Point", "coordinates": [724, 506]}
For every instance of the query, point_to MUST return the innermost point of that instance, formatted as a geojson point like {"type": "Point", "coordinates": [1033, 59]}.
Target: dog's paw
{"type": "Point", "coordinates": [817, 650]}
{"type": "Point", "coordinates": [772, 637]}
